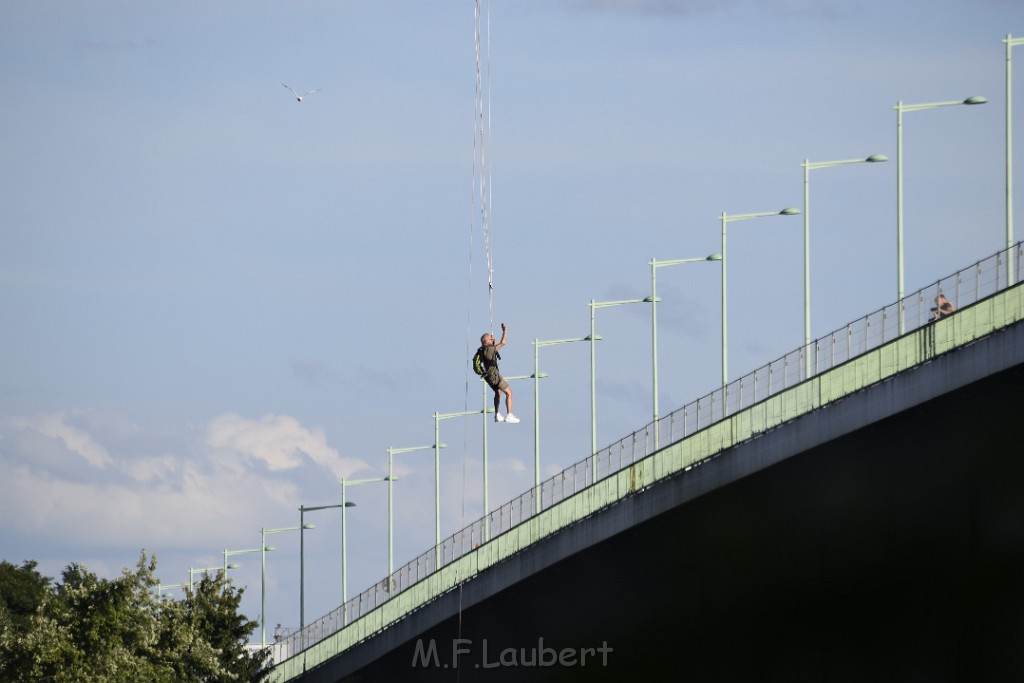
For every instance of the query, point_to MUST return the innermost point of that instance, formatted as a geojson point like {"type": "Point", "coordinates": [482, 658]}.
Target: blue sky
{"type": "Point", "coordinates": [218, 301]}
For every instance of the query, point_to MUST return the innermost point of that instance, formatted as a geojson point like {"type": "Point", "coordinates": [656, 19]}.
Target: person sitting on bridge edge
{"type": "Point", "coordinates": [489, 354]}
{"type": "Point", "coordinates": [943, 307]}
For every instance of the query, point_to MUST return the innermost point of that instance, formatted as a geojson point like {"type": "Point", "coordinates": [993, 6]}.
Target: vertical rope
{"type": "Point", "coordinates": [482, 148]}
{"type": "Point", "coordinates": [481, 184]}
{"type": "Point", "coordinates": [480, 191]}
{"type": "Point", "coordinates": [472, 196]}
{"type": "Point", "coordinates": [490, 185]}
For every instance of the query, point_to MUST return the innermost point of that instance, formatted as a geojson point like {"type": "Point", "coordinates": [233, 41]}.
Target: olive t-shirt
{"type": "Point", "coordinates": [491, 357]}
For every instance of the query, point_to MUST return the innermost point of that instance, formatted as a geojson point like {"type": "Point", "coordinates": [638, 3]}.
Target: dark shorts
{"type": "Point", "coordinates": [495, 380]}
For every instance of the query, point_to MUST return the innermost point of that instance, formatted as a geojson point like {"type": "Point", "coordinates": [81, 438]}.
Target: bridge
{"type": "Point", "coordinates": [851, 511]}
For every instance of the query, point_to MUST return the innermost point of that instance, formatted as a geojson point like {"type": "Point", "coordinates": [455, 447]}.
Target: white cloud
{"type": "Point", "coordinates": [399, 470]}
{"type": "Point", "coordinates": [55, 426]}
{"type": "Point", "coordinates": [279, 441]}
{"type": "Point", "coordinates": [239, 474]}
{"type": "Point", "coordinates": [152, 470]}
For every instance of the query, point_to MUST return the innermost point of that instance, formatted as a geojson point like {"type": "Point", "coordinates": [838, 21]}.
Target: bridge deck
{"type": "Point", "coordinates": [833, 407]}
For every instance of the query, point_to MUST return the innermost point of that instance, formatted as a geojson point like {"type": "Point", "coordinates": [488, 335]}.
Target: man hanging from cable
{"type": "Point", "coordinates": [485, 363]}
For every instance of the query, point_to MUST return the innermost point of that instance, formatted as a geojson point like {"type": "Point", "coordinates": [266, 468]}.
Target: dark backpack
{"type": "Point", "coordinates": [479, 365]}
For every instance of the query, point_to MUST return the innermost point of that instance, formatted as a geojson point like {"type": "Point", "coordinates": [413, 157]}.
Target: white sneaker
{"type": "Point", "coordinates": [511, 419]}
{"type": "Point", "coordinates": [498, 418]}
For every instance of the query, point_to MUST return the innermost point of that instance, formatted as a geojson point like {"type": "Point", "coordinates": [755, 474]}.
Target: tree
{"type": "Point", "coordinates": [22, 590]}
{"type": "Point", "coordinates": [211, 608]}
{"type": "Point", "coordinates": [85, 629]}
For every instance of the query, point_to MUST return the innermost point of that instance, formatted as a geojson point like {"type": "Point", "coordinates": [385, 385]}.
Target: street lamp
{"type": "Point", "coordinates": [302, 552]}
{"type": "Point", "coordinates": [594, 338]}
{"type": "Point", "coordinates": [192, 571]}
{"type": "Point", "coordinates": [229, 553]}
{"type": "Point", "coordinates": [808, 166]}
{"type": "Point", "coordinates": [536, 408]}
{"type": "Point", "coordinates": [391, 479]}
{"type": "Point", "coordinates": [161, 587]}
{"type": "Point", "coordinates": [486, 410]}
{"type": "Point", "coordinates": [263, 574]}
{"type": "Point", "coordinates": [344, 534]}
{"type": "Point", "coordinates": [655, 264]}
{"type": "Point", "coordinates": [900, 108]}
{"type": "Point", "coordinates": [726, 219]}
{"type": "Point", "coordinates": [1010, 44]}
{"type": "Point", "coordinates": [437, 473]}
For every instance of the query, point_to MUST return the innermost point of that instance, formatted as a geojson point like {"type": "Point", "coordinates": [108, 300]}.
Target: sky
{"type": "Point", "coordinates": [217, 301]}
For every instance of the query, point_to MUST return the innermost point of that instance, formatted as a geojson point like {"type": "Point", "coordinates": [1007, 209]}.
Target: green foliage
{"type": "Point", "coordinates": [211, 608]}
{"type": "Point", "coordinates": [85, 629]}
{"type": "Point", "coordinates": [22, 590]}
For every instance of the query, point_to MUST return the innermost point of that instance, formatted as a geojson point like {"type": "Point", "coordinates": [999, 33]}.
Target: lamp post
{"type": "Point", "coordinates": [302, 552]}
{"type": "Point", "coordinates": [263, 574]}
{"type": "Point", "coordinates": [344, 535]}
{"type": "Point", "coordinates": [229, 553]}
{"type": "Point", "coordinates": [536, 407]}
{"type": "Point", "coordinates": [391, 479]}
{"type": "Point", "coordinates": [1011, 42]}
{"type": "Point", "coordinates": [655, 264]}
{"type": "Point", "coordinates": [489, 410]}
{"type": "Point", "coordinates": [726, 219]}
{"type": "Point", "coordinates": [192, 571]}
{"type": "Point", "coordinates": [808, 165]}
{"type": "Point", "coordinates": [900, 109]}
{"type": "Point", "coordinates": [594, 338]}
{"type": "Point", "coordinates": [485, 410]}
{"type": "Point", "coordinates": [161, 587]}
{"type": "Point", "coordinates": [437, 474]}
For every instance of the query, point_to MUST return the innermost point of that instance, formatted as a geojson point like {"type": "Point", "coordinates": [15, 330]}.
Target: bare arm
{"type": "Point", "coordinates": [503, 333]}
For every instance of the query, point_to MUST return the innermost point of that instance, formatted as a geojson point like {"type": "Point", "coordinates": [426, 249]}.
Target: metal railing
{"type": "Point", "coordinates": [966, 287]}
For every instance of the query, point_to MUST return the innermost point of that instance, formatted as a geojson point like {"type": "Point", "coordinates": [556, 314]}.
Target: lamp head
{"type": "Point", "coordinates": [877, 157]}
{"type": "Point", "coordinates": [713, 257]}
{"type": "Point", "coordinates": [234, 565]}
{"type": "Point", "coordinates": [307, 525]}
{"type": "Point", "coordinates": [976, 99]}
{"type": "Point", "coordinates": [789, 212]}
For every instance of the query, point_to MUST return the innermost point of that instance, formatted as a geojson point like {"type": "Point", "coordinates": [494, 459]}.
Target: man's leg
{"type": "Point", "coordinates": [497, 405]}
{"type": "Point", "coordinates": [509, 417]}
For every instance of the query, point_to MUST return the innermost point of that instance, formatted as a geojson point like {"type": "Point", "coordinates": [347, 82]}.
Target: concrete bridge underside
{"type": "Point", "coordinates": [880, 538]}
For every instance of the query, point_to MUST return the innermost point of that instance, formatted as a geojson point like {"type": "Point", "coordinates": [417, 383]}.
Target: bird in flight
{"type": "Point", "coordinates": [298, 97]}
